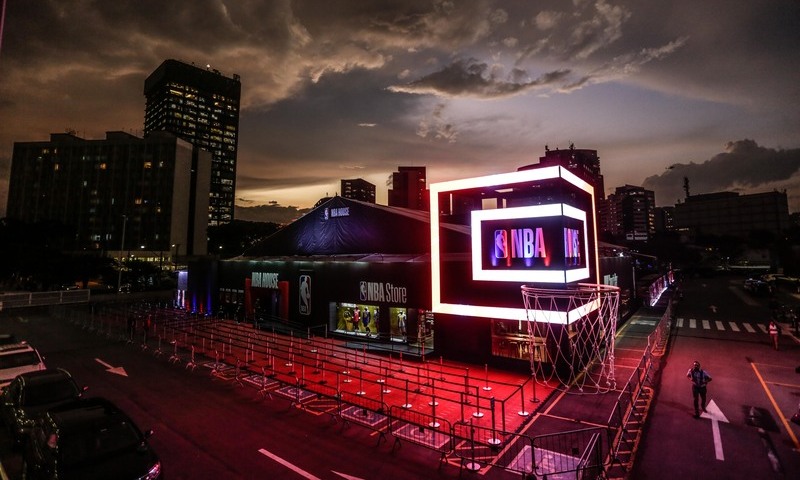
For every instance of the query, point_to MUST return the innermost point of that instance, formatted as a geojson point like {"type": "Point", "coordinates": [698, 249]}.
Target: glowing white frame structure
{"type": "Point", "coordinates": [525, 275]}
{"type": "Point", "coordinates": [505, 180]}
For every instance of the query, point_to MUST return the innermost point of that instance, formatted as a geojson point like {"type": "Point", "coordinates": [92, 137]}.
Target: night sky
{"type": "Point", "coordinates": [708, 90]}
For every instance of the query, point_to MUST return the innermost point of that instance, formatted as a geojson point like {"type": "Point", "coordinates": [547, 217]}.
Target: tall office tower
{"type": "Point", "coordinates": [409, 189]}
{"type": "Point", "coordinates": [582, 162]}
{"type": "Point", "coordinates": [201, 106]}
{"type": "Point", "coordinates": [358, 189]}
{"type": "Point", "coordinates": [630, 213]}
{"type": "Point", "coordinates": [147, 197]}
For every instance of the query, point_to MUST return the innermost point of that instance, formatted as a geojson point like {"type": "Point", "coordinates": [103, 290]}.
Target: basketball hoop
{"type": "Point", "coordinates": [572, 335]}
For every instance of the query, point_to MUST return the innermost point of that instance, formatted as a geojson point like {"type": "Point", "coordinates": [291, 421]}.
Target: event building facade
{"type": "Point", "coordinates": [399, 279]}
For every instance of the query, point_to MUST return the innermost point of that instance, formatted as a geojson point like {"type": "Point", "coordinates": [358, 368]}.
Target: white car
{"type": "Point", "coordinates": [18, 358]}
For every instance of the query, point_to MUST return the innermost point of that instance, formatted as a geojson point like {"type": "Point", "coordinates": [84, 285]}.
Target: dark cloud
{"type": "Point", "coordinates": [273, 212]}
{"type": "Point", "coordinates": [470, 78]}
{"type": "Point", "coordinates": [314, 70]}
{"type": "Point", "coordinates": [744, 167]}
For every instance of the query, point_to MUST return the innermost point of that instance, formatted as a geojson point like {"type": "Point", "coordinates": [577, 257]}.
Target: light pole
{"type": "Point", "coordinates": [121, 248]}
{"type": "Point", "coordinates": [175, 258]}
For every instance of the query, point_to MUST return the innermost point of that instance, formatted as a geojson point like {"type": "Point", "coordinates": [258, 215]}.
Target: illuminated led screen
{"type": "Point", "coordinates": [519, 239]}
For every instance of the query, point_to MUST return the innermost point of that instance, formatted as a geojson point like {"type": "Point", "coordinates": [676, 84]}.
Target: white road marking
{"type": "Point", "coordinates": [706, 325]}
{"type": "Point", "coordinates": [692, 323]}
{"type": "Point", "coordinates": [116, 370]}
{"type": "Point", "coordinates": [714, 414]}
{"type": "Point", "coordinates": [734, 327]}
{"type": "Point", "coordinates": [749, 328]}
{"type": "Point", "coordinates": [288, 465]}
{"type": "Point", "coordinates": [719, 325]}
{"type": "Point", "coordinates": [762, 327]}
{"type": "Point", "coordinates": [680, 322]}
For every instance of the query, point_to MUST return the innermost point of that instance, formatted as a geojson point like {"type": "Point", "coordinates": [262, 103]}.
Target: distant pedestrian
{"type": "Point", "coordinates": [148, 323]}
{"type": "Point", "coordinates": [131, 327]}
{"type": "Point", "coordinates": [699, 379]}
{"type": "Point", "coordinates": [774, 333]}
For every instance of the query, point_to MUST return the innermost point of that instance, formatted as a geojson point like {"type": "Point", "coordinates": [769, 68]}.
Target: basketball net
{"type": "Point", "coordinates": [572, 336]}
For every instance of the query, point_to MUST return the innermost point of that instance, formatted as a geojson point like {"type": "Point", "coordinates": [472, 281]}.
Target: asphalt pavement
{"type": "Point", "coordinates": [211, 429]}
{"type": "Point", "coordinates": [746, 432]}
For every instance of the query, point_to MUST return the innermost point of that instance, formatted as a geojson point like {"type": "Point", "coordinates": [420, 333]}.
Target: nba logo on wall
{"type": "Point", "coordinates": [305, 294]}
{"type": "Point", "coordinates": [362, 291]}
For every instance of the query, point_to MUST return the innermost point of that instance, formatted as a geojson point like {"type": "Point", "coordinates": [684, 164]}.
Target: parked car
{"type": "Point", "coordinates": [89, 439]}
{"type": "Point", "coordinates": [16, 359]}
{"type": "Point", "coordinates": [31, 394]}
{"type": "Point", "coordinates": [7, 338]}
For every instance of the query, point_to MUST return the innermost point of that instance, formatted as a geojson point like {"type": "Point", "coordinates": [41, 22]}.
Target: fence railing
{"type": "Point", "coordinates": [41, 299]}
{"type": "Point", "coordinates": [585, 452]}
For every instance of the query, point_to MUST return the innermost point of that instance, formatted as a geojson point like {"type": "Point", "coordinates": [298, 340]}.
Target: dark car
{"type": "Point", "coordinates": [89, 439]}
{"type": "Point", "coordinates": [31, 394]}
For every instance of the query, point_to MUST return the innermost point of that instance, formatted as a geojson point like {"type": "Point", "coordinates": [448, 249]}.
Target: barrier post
{"type": "Point", "coordinates": [494, 441]}
{"type": "Point", "coordinates": [407, 405]}
{"type": "Point", "coordinates": [478, 413]}
{"type": "Point", "coordinates": [472, 466]}
{"type": "Point", "coordinates": [361, 383]}
{"type": "Point", "coordinates": [486, 387]}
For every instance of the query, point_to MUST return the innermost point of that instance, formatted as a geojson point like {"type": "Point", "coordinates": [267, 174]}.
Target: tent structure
{"type": "Point", "coordinates": [343, 226]}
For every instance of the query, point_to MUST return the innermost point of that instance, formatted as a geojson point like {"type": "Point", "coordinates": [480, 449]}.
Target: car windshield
{"type": "Point", "coordinates": [89, 445]}
{"type": "Point", "coordinates": [50, 392]}
{"type": "Point", "coordinates": [14, 360]}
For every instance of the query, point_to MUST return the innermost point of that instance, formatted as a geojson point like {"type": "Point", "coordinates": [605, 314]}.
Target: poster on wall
{"type": "Point", "coordinates": [305, 295]}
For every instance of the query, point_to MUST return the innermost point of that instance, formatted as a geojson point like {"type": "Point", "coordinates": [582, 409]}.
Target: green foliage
{"type": "Point", "coordinates": [236, 237]}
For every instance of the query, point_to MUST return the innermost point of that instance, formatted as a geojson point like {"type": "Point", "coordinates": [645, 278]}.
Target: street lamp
{"type": "Point", "coordinates": [121, 248]}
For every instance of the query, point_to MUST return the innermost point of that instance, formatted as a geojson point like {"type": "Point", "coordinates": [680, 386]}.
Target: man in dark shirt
{"type": "Point", "coordinates": [699, 379]}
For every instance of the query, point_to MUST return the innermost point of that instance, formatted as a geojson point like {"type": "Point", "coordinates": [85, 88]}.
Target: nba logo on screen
{"type": "Point", "coordinates": [500, 244]}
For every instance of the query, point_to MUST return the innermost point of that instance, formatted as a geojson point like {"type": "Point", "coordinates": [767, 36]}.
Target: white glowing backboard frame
{"type": "Point", "coordinates": [503, 180]}
{"type": "Point", "coordinates": [526, 275]}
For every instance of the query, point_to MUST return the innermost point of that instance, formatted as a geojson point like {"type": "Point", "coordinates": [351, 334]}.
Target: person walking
{"type": "Point", "coordinates": [699, 379]}
{"type": "Point", "coordinates": [774, 333]}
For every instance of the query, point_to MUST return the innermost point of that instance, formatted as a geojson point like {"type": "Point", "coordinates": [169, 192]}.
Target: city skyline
{"type": "Point", "coordinates": [353, 90]}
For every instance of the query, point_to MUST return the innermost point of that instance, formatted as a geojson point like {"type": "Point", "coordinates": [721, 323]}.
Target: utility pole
{"type": "Point", "coordinates": [121, 248]}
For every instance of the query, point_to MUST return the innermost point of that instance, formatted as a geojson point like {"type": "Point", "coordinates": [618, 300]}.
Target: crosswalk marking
{"type": "Point", "coordinates": [720, 325]}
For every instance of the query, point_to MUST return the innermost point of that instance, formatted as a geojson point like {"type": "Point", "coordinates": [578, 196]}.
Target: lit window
{"type": "Point", "coordinates": [138, 201]}
{"type": "Point", "coordinates": [148, 164]}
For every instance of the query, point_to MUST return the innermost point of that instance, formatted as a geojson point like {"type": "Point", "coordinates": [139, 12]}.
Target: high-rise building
{"type": "Point", "coordinates": [728, 213]}
{"type": "Point", "coordinates": [629, 213]}
{"type": "Point", "coordinates": [147, 197]}
{"type": "Point", "coordinates": [409, 189]}
{"type": "Point", "coordinates": [358, 189]}
{"type": "Point", "coordinates": [201, 106]}
{"type": "Point", "coordinates": [582, 162]}
{"type": "Point", "coordinates": [665, 219]}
